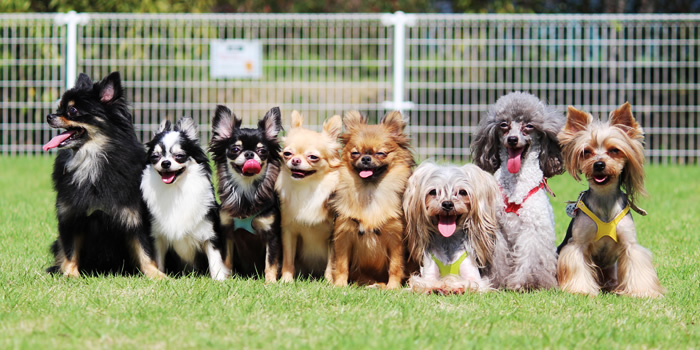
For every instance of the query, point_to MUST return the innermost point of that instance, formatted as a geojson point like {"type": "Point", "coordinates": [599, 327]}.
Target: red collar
{"type": "Point", "coordinates": [515, 208]}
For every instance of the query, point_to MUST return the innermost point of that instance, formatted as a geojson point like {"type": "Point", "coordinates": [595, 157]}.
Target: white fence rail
{"type": "Point", "coordinates": [443, 72]}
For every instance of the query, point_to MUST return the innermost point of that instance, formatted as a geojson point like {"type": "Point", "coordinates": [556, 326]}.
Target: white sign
{"type": "Point", "coordinates": [235, 59]}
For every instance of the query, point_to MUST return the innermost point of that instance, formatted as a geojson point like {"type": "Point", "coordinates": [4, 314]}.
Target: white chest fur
{"type": "Point", "coordinates": [179, 209]}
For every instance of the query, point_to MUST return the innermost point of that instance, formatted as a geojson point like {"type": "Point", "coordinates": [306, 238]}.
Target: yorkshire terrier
{"type": "Point", "coordinates": [600, 250]}
{"type": "Point", "coordinates": [452, 227]}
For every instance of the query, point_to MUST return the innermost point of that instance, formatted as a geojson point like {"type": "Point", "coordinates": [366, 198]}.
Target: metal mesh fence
{"type": "Point", "coordinates": [455, 66]}
{"type": "Point", "coordinates": [31, 79]}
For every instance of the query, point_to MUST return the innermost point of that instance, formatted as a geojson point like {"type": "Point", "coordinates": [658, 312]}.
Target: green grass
{"type": "Point", "coordinates": [42, 311]}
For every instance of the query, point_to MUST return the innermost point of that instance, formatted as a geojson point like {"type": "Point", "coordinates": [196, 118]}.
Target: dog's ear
{"type": "Point", "coordinates": [486, 201]}
{"type": "Point", "coordinates": [223, 124]}
{"type": "Point", "coordinates": [623, 119]}
{"type": "Point", "coordinates": [110, 88]}
{"type": "Point", "coordinates": [394, 122]}
{"type": "Point", "coordinates": [486, 145]}
{"type": "Point", "coordinates": [333, 126]}
{"type": "Point", "coordinates": [187, 126]}
{"type": "Point", "coordinates": [576, 120]}
{"type": "Point", "coordinates": [417, 234]}
{"type": "Point", "coordinates": [83, 82]}
{"type": "Point", "coordinates": [353, 120]}
{"type": "Point", "coordinates": [271, 123]}
{"type": "Point", "coordinates": [551, 159]}
{"type": "Point", "coordinates": [297, 119]}
{"type": "Point", "coordinates": [164, 126]}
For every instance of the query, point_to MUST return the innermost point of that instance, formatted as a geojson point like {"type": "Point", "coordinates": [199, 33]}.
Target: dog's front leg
{"type": "Point", "coordinates": [342, 244]}
{"type": "Point", "coordinates": [396, 263]}
{"type": "Point", "coordinates": [289, 245]}
{"type": "Point", "coordinates": [574, 272]}
{"type": "Point", "coordinates": [328, 274]}
{"type": "Point", "coordinates": [71, 236]}
{"type": "Point", "coordinates": [217, 268]}
{"type": "Point", "coordinates": [161, 248]}
{"type": "Point", "coordinates": [145, 262]}
{"type": "Point", "coordinates": [636, 273]}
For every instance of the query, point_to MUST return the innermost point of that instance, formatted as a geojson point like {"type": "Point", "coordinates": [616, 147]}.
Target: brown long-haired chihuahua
{"type": "Point", "coordinates": [369, 227]}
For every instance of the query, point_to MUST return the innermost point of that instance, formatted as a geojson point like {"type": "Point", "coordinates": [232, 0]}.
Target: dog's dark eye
{"type": "Point", "coordinates": [313, 158]}
{"type": "Point", "coordinates": [462, 192]}
{"type": "Point", "coordinates": [613, 151]}
{"type": "Point", "coordinates": [287, 154]}
{"type": "Point", "coordinates": [504, 125]}
{"type": "Point", "coordinates": [155, 157]}
{"type": "Point", "coordinates": [381, 154]}
{"type": "Point", "coordinates": [529, 126]}
{"type": "Point", "coordinates": [72, 111]}
{"type": "Point", "coordinates": [180, 158]}
{"type": "Point", "coordinates": [262, 151]}
{"type": "Point", "coordinates": [235, 149]}
{"type": "Point", "coordinates": [355, 154]}
{"type": "Point", "coordinates": [586, 152]}
{"type": "Point", "coordinates": [433, 192]}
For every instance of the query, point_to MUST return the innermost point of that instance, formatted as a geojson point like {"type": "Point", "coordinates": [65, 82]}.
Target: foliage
{"type": "Point", "coordinates": [42, 311]}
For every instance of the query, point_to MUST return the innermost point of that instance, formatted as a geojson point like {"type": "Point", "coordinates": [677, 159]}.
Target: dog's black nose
{"type": "Point", "coordinates": [447, 205]}
{"type": "Point", "coordinates": [366, 159]}
{"type": "Point", "coordinates": [49, 118]}
{"type": "Point", "coordinates": [249, 154]}
{"type": "Point", "coordinates": [165, 164]}
{"type": "Point", "coordinates": [512, 140]}
{"type": "Point", "coordinates": [599, 166]}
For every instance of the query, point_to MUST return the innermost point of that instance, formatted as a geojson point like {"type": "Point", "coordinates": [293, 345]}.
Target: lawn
{"type": "Point", "coordinates": [42, 311]}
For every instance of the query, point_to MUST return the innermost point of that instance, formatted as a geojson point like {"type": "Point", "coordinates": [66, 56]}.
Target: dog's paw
{"type": "Point", "coordinates": [287, 277]}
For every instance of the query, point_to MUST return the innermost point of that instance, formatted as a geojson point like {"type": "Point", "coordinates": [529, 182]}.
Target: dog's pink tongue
{"type": "Point", "coordinates": [447, 225]}
{"type": "Point", "coordinates": [251, 166]}
{"type": "Point", "coordinates": [58, 139]}
{"type": "Point", "coordinates": [168, 177]}
{"type": "Point", "coordinates": [366, 173]}
{"type": "Point", "coordinates": [514, 160]}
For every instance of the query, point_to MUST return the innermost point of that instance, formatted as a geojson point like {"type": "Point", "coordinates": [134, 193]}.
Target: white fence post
{"type": "Point", "coordinates": [71, 20]}
{"type": "Point", "coordinates": [399, 20]}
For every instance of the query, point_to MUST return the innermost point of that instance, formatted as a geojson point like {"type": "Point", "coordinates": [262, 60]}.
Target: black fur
{"type": "Point", "coordinates": [237, 202]}
{"type": "Point", "coordinates": [95, 192]}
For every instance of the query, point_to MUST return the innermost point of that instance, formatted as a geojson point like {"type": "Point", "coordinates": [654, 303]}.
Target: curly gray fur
{"type": "Point", "coordinates": [525, 108]}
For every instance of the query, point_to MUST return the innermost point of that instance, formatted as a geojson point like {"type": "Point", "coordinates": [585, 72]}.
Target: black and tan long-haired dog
{"type": "Point", "coordinates": [248, 163]}
{"type": "Point", "coordinates": [600, 250]}
{"type": "Point", "coordinates": [103, 224]}
{"type": "Point", "coordinates": [369, 226]}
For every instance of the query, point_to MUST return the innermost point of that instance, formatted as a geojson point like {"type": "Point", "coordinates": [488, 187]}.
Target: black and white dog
{"type": "Point", "coordinates": [103, 224]}
{"type": "Point", "coordinates": [248, 162]}
{"type": "Point", "coordinates": [177, 188]}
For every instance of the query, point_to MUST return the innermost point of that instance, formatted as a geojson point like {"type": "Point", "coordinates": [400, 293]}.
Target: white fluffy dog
{"type": "Point", "coordinates": [518, 141]}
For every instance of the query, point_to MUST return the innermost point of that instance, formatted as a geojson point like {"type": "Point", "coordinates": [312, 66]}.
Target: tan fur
{"type": "Point", "coordinates": [70, 267]}
{"type": "Point", "coordinates": [586, 265]}
{"type": "Point", "coordinates": [147, 266]}
{"type": "Point", "coordinates": [307, 222]}
{"type": "Point", "coordinates": [371, 207]}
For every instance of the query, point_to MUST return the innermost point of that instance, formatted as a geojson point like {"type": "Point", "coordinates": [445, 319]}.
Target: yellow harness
{"type": "Point", "coordinates": [604, 228]}
{"type": "Point", "coordinates": [449, 269]}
